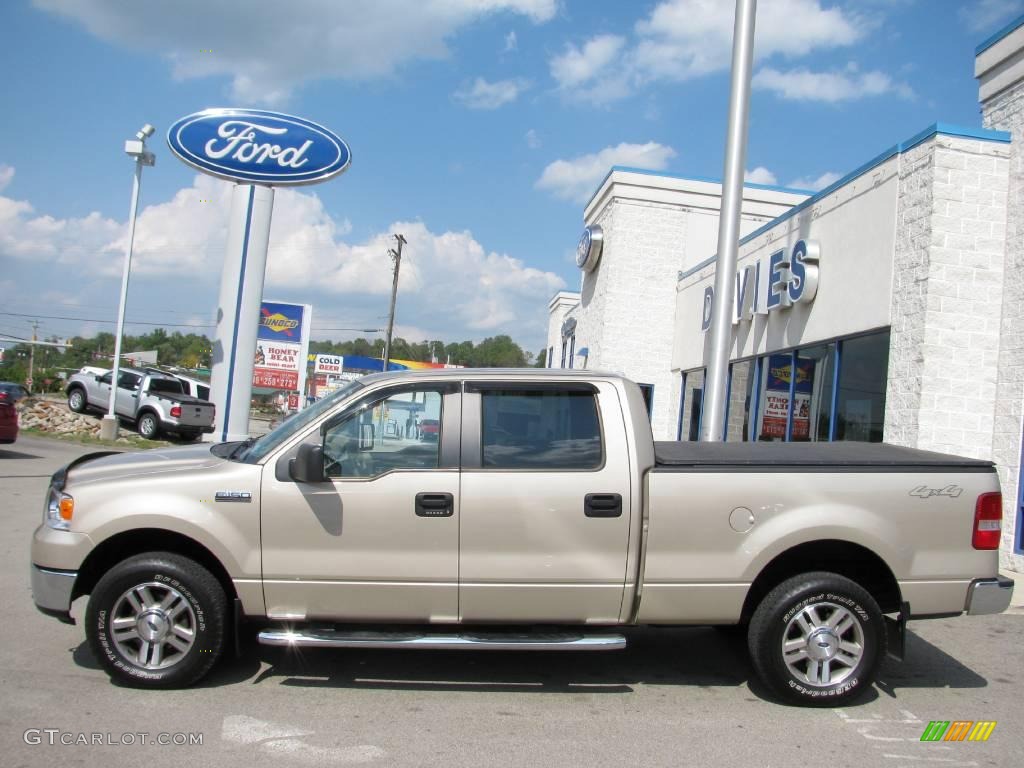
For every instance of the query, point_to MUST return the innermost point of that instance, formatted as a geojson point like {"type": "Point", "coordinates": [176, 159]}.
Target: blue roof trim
{"type": "Point", "coordinates": [990, 41]}
{"type": "Point", "coordinates": [706, 179]}
{"type": "Point", "coordinates": [945, 129]}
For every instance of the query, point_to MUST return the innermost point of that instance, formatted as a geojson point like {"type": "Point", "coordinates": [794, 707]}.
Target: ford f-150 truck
{"type": "Point", "coordinates": [155, 401]}
{"type": "Point", "coordinates": [544, 517]}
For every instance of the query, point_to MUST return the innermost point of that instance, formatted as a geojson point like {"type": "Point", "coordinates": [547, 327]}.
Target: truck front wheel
{"type": "Point", "coordinates": [149, 426]}
{"type": "Point", "coordinates": [157, 621]}
{"type": "Point", "coordinates": [817, 639]}
{"type": "Point", "coordinates": [77, 401]}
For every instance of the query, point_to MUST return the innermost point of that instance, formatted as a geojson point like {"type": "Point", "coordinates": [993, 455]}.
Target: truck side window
{"type": "Point", "coordinates": [128, 381]}
{"type": "Point", "coordinates": [400, 431]}
{"type": "Point", "coordinates": [540, 429]}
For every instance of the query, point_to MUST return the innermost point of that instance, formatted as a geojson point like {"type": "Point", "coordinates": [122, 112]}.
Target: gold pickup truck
{"type": "Point", "coordinates": [540, 515]}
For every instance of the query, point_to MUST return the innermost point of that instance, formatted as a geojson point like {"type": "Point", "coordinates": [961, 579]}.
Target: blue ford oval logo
{"type": "Point", "coordinates": [253, 145]}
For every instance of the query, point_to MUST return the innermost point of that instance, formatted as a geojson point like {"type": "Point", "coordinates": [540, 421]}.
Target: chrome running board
{"type": "Point", "coordinates": [484, 641]}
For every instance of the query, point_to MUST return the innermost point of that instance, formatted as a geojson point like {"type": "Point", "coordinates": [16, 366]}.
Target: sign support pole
{"type": "Point", "coordinates": [715, 389]}
{"type": "Point", "coordinates": [238, 310]}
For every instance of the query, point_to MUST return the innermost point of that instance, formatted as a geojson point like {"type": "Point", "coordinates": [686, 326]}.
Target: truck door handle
{"type": "Point", "coordinates": [602, 505]}
{"type": "Point", "coordinates": [435, 505]}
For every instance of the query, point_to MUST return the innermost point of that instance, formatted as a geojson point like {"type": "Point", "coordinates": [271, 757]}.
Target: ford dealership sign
{"type": "Point", "coordinates": [255, 146]}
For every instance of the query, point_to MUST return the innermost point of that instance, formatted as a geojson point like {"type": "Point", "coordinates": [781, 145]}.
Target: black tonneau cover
{"type": "Point", "coordinates": [680, 456]}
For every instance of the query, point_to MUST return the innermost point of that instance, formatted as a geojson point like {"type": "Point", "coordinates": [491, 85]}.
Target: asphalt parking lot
{"type": "Point", "coordinates": [672, 698]}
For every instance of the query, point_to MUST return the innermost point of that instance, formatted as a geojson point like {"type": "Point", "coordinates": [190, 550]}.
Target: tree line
{"type": "Point", "coordinates": [193, 351]}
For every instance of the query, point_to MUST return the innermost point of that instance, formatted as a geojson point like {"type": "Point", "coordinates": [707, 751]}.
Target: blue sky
{"type": "Point", "coordinates": [478, 128]}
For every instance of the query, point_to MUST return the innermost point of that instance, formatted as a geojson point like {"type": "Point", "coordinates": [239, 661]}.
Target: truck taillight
{"type": "Point", "coordinates": [988, 517]}
{"type": "Point", "coordinates": [176, 411]}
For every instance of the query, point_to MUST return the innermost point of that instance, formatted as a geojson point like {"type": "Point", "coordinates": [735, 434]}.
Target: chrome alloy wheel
{"type": "Point", "coordinates": [153, 625]}
{"type": "Point", "coordinates": [823, 644]}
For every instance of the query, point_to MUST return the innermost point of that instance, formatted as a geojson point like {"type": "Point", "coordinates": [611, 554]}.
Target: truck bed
{"type": "Point", "coordinates": [838, 457]}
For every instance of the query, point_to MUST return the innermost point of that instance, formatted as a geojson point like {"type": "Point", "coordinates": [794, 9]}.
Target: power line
{"type": "Point", "coordinates": [110, 322]}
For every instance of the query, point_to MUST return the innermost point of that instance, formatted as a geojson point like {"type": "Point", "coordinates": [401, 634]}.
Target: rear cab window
{"type": "Point", "coordinates": [548, 428]}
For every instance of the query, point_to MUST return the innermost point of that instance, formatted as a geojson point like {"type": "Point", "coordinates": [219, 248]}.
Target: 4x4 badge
{"type": "Point", "coordinates": [924, 492]}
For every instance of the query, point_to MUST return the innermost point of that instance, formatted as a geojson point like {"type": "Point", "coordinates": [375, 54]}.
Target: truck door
{"type": "Point", "coordinates": [545, 503]}
{"type": "Point", "coordinates": [127, 399]}
{"type": "Point", "coordinates": [379, 540]}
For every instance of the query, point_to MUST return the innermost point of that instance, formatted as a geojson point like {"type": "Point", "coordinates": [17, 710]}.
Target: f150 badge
{"type": "Point", "coordinates": [243, 497]}
{"type": "Point", "coordinates": [924, 492]}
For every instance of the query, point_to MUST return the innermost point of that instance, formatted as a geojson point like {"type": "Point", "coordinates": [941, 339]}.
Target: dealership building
{"type": "Point", "coordinates": [889, 306]}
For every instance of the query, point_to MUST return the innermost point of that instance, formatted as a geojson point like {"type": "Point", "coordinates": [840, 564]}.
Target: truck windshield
{"type": "Point", "coordinates": [294, 424]}
{"type": "Point", "coordinates": [171, 386]}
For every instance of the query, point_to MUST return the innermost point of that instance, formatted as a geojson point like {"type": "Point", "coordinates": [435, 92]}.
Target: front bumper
{"type": "Point", "coordinates": [989, 596]}
{"type": "Point", "coordinates": [51, 591]}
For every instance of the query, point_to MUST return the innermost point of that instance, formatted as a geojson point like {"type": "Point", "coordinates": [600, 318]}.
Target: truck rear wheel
{"type": "Point", "coordinates": [157, 621]}
{"type": "Point", "coordinates": [817, 639]}
{"type": "Point", "coordinates": [149, 426]}
{"type": "Point", "coordinates": [77, 401]}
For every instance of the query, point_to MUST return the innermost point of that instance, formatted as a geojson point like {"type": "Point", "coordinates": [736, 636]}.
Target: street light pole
{"type": "Point", "coordinates": [396, 257]}
{"type": "Point", "coordinates": [135, 148]}
{"type": "Point", "coordinates": [716, 384]}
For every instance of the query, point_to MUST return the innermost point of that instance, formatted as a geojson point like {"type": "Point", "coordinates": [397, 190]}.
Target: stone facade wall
{"type": "Point", "coordinates": [1005, 111]}
{"type": "Point", "coordinates": [627, 309]}
{"type": "Point", "coordinates": [947, 296]}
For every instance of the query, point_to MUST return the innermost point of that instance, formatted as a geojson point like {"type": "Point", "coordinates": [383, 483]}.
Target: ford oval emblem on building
{"type": "Point", "coordinates": [256, 146]}
{"type": "Point", "coordinates": [588, 252]}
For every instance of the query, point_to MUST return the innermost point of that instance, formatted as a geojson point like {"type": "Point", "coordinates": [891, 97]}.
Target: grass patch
{"type": "Point", "coordinates": [126, 441]}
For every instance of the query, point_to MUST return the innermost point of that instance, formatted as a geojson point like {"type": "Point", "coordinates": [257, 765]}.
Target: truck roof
{"type": "Point", "coordinates": [555, 374]}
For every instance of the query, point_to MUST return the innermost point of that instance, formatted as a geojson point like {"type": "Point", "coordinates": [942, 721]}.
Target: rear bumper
{"type": "Point", "coordinates": [989, 596]}
{"type": "Point", "coordinates": [51, 591]}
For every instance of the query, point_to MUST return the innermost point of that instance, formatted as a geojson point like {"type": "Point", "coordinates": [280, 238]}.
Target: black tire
{"type": "Point", "coordinates": [149, 426]}
{"type": "Point", "coordinates": [77, 401]}
{"type": "Point", "coordinates": [853, 649]}
{"type": "Point", "coordinates": [202, 607]}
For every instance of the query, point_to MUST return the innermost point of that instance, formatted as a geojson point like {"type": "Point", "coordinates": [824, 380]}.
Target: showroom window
{"type": "Point", "coordinates": [832, 391]}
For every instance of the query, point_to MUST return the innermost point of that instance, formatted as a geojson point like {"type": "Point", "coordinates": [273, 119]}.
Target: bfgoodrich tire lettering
{"type": "Point", "coordinates": [817, 639]}
{"type": "Point", "coordinates": [157, 620]}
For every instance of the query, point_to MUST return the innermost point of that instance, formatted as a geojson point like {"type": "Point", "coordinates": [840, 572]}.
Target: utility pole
{"type": "Point", "coordinates": [716, 384]}
{"type": "Point", "coordinates": [396, 257]}
{"type": "Point", "coordinates": [32, 357]}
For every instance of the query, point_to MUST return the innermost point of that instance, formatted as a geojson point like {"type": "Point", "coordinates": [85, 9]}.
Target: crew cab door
{"type": "Point", "coordinates": [378, 540]}
{"type": "Point", "coordinates": [545, 503]}
{"type": "Point", "coordinates": [126, 401]}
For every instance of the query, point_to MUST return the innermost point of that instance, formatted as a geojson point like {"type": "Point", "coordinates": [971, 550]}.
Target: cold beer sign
{"type": "Point", "coordinates": [777, 282]}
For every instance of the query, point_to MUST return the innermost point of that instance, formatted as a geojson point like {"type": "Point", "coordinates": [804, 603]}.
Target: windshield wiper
{"type": "Point", "coordinates": [242, 446]}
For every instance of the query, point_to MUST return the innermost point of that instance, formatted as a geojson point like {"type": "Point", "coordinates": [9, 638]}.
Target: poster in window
{"type": "Point", "coordinates": [775, 405]}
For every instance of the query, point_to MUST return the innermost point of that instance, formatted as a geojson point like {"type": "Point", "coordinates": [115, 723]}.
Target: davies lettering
{"type": "Point", "coordinates": [240, 142]}
{"type": "Point", "coordinates": [767, 285]}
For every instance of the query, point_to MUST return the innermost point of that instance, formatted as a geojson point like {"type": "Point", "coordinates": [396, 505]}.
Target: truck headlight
{"type": "Point", "coordinates": [59, 509]}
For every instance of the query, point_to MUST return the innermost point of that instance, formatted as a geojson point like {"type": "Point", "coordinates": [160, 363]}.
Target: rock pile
{"type": "Point", "coordinates": [51, 416]}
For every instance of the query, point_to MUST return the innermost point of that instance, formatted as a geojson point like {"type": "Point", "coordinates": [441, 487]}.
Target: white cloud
{"type": "Point", "coordinates": [576, 179]}
{"type": "Point", "coordinates": [760, 175]}
{"type": "Point", "coordinates": [805, 182]}
{"type": "Point", "coordinates": [511, 42]}
{"type": "Point", "coordinates": [484, 95]}
{"type": "Point", "coordinates": [449, 281]}
{"type": "Point", "coordinates": [986, 16]}
{"type": "Point", "coordinates": [6, 176]}
{"type": "Point", "coordinates": [532, 139]}
{"type": "Point", "coordinates": [577, 66]}
{"type": "Point", "coordinates": [832, 87]}
{"type": "Point", "coordinates": [683, 39]}
{"type": "Point", "coordinates": [267, 55]}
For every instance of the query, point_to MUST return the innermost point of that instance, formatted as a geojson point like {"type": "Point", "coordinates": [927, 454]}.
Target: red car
{"type": "Point", "coordinates": [8, 423]}
{"type": "Point", "coordinates": [430, 430]}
